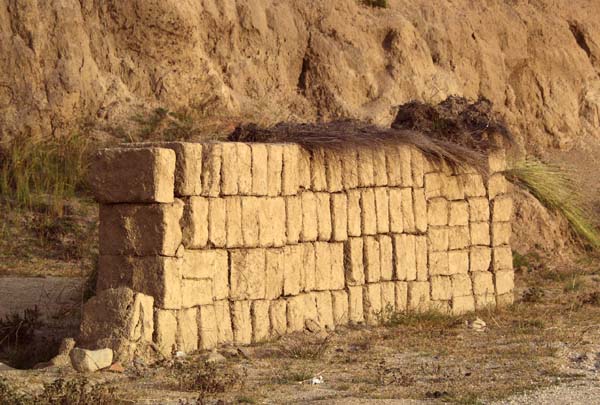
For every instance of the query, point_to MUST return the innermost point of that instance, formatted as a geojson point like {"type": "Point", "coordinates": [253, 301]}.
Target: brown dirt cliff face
{"type": "Point", "coordinates": [65, 62]}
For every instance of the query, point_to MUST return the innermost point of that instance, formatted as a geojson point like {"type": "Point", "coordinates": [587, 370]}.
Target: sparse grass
{"type": "Point", "coordinates": [165, 125]}
{"type": "Point", "coordinates": [308, 347]}
{"type": "Point", "coordinates": [293, 377]}
{"type": "Point", "coordinates": [375, 3]}
{"type": "Point", "coordinates": [554, 187]}
{"type": "Point", "coordinates": [205, 378]}
{"type": "Point", "coordinates": [418, 320]}
{"type": "Point", "coordinates": [77, 391]}
{"type": "Point", "coordinates": [575, 283]}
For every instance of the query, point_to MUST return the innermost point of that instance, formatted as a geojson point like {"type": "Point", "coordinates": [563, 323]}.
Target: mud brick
{"type": "Point", "coordinates": [406, 165]}
{"type": "Point", "coordinates": [250, 221]}
{"type": "Point", "coordinates": [503, 259]}
{"type": "Point", "coordinates": [480, 233]}
{"type": "Point", "coordinates": [401, 291]}
{"type": "Point", "coordinates": [418, 296]}
{"type": "Point", "coordinates": [275, 265]}
{"type": "Point", "coordinates": [483, 283]}
{"type": "Point", "coordinates": [461, 285]}
{"type": "Point", "coordinates": [196, 292]}
{"type": "Point", "coordinates": [292, 270]}
{"type": "Point", "coordinates": [260, 172]}
{"type": "Point", "coordinates": [438, 238]}
{"type": "Point", "coordinates": [497, 160]}
{"type": "Point", "coordinates": [405, 257]}
{"type": "Point", "coordinates": [365, 167]}
{"type": "Point", "coordinates": [368, 212]}
{"type": "Point", "coordinates": [394, 168]}
{"type": "Point", "coordinates": [244, 163]}
{"type": "Point", "coordinates": [309, 267]}
{"type": "Point", "coordinates": [408, 212]}
{"type": "Point", "coordinates": [438, 211]}
{"type": "Point", "coordinates": [212, 156]}
{"type": "Point", "coordinates": [438, 263]}
{"type": "Point", "coordinates": [382, 209]}
{"type": "Point", "coordinates": [310, 307]}
{"type": "Point", "coordinates": [278, 220]}
{"type": "Point", "coordinates": [207, 327]}
{"type": "Point", "coordinates": [434, 185]}
{"type": "Point", "coordinates": [441, 288]}
{"type": "Point", "coordinates": [473, 185]}
{"type": "Point", "coordinates": [462, 305]}
{"type": "Point", "coordinates": [454, 188]}
{"type": "Point", "coordinates": [325, 309]}
{"type": "Point", "coordinates": [323, 216]}
{"type": "Point", "coordinates": [274, 169]}
{"type": "Point", "coordinates": [261, 324]}
{"type": "Point", "coordinates": [418, 167]}
{"type": "Point", "coordinates": [480, 258]}
{"type": "Point", "coordinates": [379, 167]}
{"type": "Point", "coordinates": [242, 322]}
{"type": "Point", "coordinates": [372, 259]}
{"type": "Point", "coordinates": [229, 169]}
{"type": "Point", "coordinates": [349, 169]}
{"type": "Point", "coordinates": [289, 177]}
{"type": "Point", "coordinates": [140, 230]}
{"type": "Point", "coordinates": [318, 170]}
{"type": "Point", "coordinates": [459, 213]}
{"type": "Point", "coordinates": [355, 304]}
{"type": "Point", "coordinates": [223, 318]}
{"type": "Point", "coordinates": [354, 265]}
{"type": "Point", "coordinates": [479, 209]}
{"type": "Point", "coordinates": [212, 264]}
{"type": "Point", "coordinates": [339, 217]}
{"type": "Point", "coordinates": [133, 175]}
{"type": "Point", "coordinates": [293, 216]}
{"type": "Point", "coordinates": [505, 300]}
{"type": "Point", "coordinates": [459, 237]}
{"type": "Point", "coordinates": [247, 274]}
{"type": "Point", "coordinates": [309, 217]}
{"type": "Point", "coordinates": [396, 220]}
{"type": "Point", "coordinates": [278, 317]}
{"type": "Point", "coordinates": [502, 207]}
{"type": "Point", "coordinates": [504, 281]}
{"type": "Point", "coordinates": [339, 300]}
{"type": "Point", "coordinates": [337, 281]}
{"type": "Point", "coordinates": [386, 257]}
{"type": "Point", "coordinates": [323, 266]}
{"type": "Point", "coordinates": [372, 303]}
{"type": "Point", "coordinates": [354, 213]}
{"type": "Point", "coordinates": [165, 331]}
{"type": "Point", "coordinates": [501, 233]}
{"type": "Point", "coordinates": [388, 299]}
{"type": "Point", "coordinates": [217, 222]}
{"type": "Point", "coordinates": [420, 210]}
{"type": "Point", "coordinates": [421, 252]}
{"type": "Point", "coordinates": [497, 185]}
{"type": "Point", "coordinates": [333, 171]}
{"type": "Point", "coordinates": [234, 222]}
{"type": "Point", "coordinates": [296, 308]}
{"type": "Point", "coordinates": [195, 220]}
{"type": "Point", "coordinates": [487, 301]}
{"type": "Point", "coordinates": [304, 179]}
{"type": "Point", "coordinates": [458, 262]}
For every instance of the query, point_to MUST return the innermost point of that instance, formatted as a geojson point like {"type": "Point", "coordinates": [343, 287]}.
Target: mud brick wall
{"type": "Point", "coordinates": [238, 243]}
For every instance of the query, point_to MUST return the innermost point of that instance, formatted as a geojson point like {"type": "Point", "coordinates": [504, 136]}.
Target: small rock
{"type": "Point", "coordinates": [312, 326]}
{"type": "Point", "coordinates": [244, 352]}
{"type": "Point", "coordinates": [230, 352]}
{"type": "Point", "coordinates": [179, 354]}
{"type": "Point", "coordinates": [478, 325]}
{"type": "Point", "coordinates": [116, 368]}
{"type": "Point", "coordinates": [91, 360]}
{"type": "Point", "coordinates": [215, 357]}
{"type": "Point", "coordinates": [62, 359]}
{"type": "Point", "coordinates": [4, 367]}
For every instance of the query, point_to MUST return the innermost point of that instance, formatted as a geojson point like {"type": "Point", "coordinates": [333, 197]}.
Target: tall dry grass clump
{"type": "Point", "coordinates": [554, 187]}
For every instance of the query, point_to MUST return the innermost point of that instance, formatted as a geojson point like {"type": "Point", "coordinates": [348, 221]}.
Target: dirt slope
{"type": "Point", "coordinates": [68, 62]}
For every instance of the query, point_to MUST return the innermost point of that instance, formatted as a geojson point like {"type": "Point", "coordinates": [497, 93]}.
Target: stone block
{"type": "Point", "coordinates": [247, 274]}
{"type": "Point", "coordinates": [223, 322]}
{"type": "Point", "coordinates": [277, 219]}
{"type": "Point", "coordinates": [480, 233]}
{"type": "Point", "coordinates": [372, 303]}
{"type": "Point", "coordinates": [458, 262]}
{"type": "Point", "coordinates": [388, 299]}
{"type": "Point", "coordinates": [354, 213]}
{"type": "Point", "coordinates": [480, 258]}
{"type": "Point", "coordinates": [278, 317]}
{"type": "Point", "coordinates": [274, 169]}
{"type": "Point", "coordinates": [86, 361]}
{"type": "Point", "coordinates": [365, 167]}
{"type": "Point", "coordinates": [419, 299]}
{"type": "Point", "coordinates": [454, 189]}
{"type": "Point", "coordinates": [473, 185]}
{"type": "Point", "coordinates": [217, 222]}
{"type": "Point", "coordinates": [289, 176]}
{"type": "Point", "coordinates": [405, 153]}
{"type": "Point", "coordinates": [323, 216]}
{"type": "Point", "coordinates": [459, 213]}
{"type": "Point", "coordinates": [497, 160]}
{"type": "Point", "coordinates": [211, 264]}
{"type": "Point", "coordinates": [229, 169]}
{"type": "Point", "coordinates": [261, 323]}
{"type": "Point", "coordinates": [292, 269]}
{"type": "Point", "coordinates": [401, 291]}
{"type": "Point", "coordinates": [394, 168]}
{"type": "Point", "coordinates": [323, 266]}
{"type": "Point", "coordinates": [339, 301]}
{"type": "Point", "coordinates": [405, 259]}
{"type": "Point", "coordinates": [293, 217]}
{"type": "Point", "coordinates": [260, 172]}
{"type": "Point", "coordinates": [408, 212]}
{"type": "Point", "coordinates": [420, 204]}
{"type": "Point", "coordinates": [333, 171]}
{"type": "Point", "coordinates": [339, 217]}
{"type": "Point", "coordinates": [372, 259]}
{"type": "Point", "coordinates": [418, 167]}
{"type": "Point", "coordinates": [380, 177]}
{"type": "Point", "coordinates": [244, 166]}
{"type": "Point", "coordinates": [438, 263]}
{"type": "Point", "coordinates": [438, 211]}
{"type": "Point", "coordinates": [133, 175]}
{"type": "Point", "coordinates": [483, 283]}
{"type": "Point", "coordinates": [395, 201]}
{"type": "Point", "coordinates": [505, 300]}
{"type": "Point", "coordinates": [501, 233]}
{"type": "Point", "coordinates": [187, 330]}
{"type": "Point", "coordinates": [165, 331]}
{"type": "Point", "coordinates": [382, 210]}
{"type": "Point", "coordinates": [368, 212]}
{"type": "Point", "coordinates": [502, 208]}
{"type": "Point", "coordinates": [503, 259]}
{"type": "Point", "coordinates": [242, 322]}
{"type": "Point", "coordinates": [459, 237]}
{"type": "Point", "coordinates": [140, 230]}
{"type": "Point", "coordinates": [487, 301]}
{"type": "Point", "coordinates": [296, 308]}
{"type": "Point", "coordinates": [310, 229]}
{"type": "Point", "coordinates": [386, 257]}
{"type": "Point", "coordinates": [250, 221]}
{"type": "Point", "coordinates": [438, 238]}
{"type": "Point", "coordinates": [441, 288]}
{"type": "Point", "coordinates": [434, 185]}
{"type": "Point", "coordinates": [462, 305]}
{"type": "Point", "coordinates": [275, 268]}
{"type": "Point", "coordinates": [479, 209]}
{"type": "Point", "coordinates": [337, 281]}
{"type": "Point", "coordinates": [355, 304]}
{"type": "Point", "coordinates": [497, 185]}
{"type": "Point", "coordinates": [318, 170]}
{"type": "Point", "coordinates": [304, 179]}
{"type": "Point", "coordinates": [207, 327]}
{"type": "Point", "coordinates": [309, 267]}
{"type": "Point", "coordinates": [195, 223]}
{"type": "Point", "coordinates": [421, 252]}
{"type": "Point", "coordinates": [349, 169]}
{"type": "Point", "coordinates": [233, 222]}
{"type": "Point", "coordinates": [310, 308]}
{"type": "Point", "coordinates": [354, 265]}
{"type": "Point", "coordinates": [324, 309]}
{"type": "Point", "coordinates": [461, 285]}
{"type": "Point", "coordinates": [212, 156]}
{"type": "Point", "coordinates": [196, 292]}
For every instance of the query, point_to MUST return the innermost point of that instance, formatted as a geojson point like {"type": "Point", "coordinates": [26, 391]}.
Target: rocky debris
{"type": "Point", "coordinates": [312, 326]}
{"type": "Point", "coordinates": [215, 357]}
{"type": "Point", "coordinates": [116, 368]}
{"type": "Point", "coordinates": [62, 359]}
{"type": "Point", "coordinates": [478, 325]}
{"type": "Point", "coordinates": [91, 360]}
